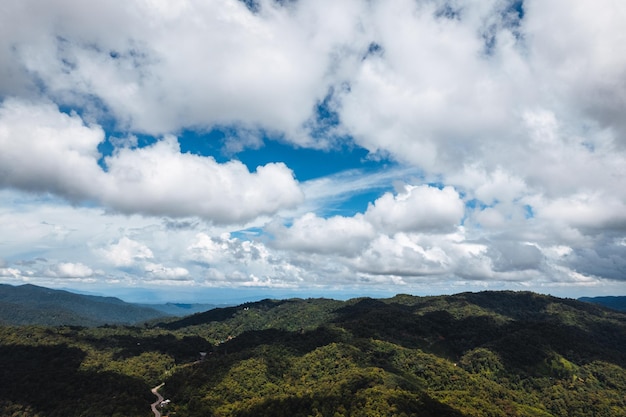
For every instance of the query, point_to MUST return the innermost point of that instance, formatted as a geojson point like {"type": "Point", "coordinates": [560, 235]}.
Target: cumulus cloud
{"type": "Point", "coordinates": [45, 150]}
{"type": "Point", "coordinates": [515, 256]}
{"type": "Point", "coordinates": [587, 212]}
{"type": "Point", "coordinates": [44, 269]}
{"type": "Point", "coordinates": [167, 273]}
{"type": "Point", "coordinates": [447, 88]}
{"type": "Point", "coordinates": [228, 260]}
{"type": "Point", "coordinates": [310, 233]}
{"type": "Point", "coordinates": [195, 64]}
{"type": "Point", "coordinates": [10, 272]}
{"type": "Point", "coordinates": [126, 252]}
{"type": "Point", "coordinates": [415, 209]}
{"type": "Point", "coordinates": [148, 252]}
{"type": "Point", "coordinates": [430, 106]}
{"type": "Point", "coordinates": [71, 270]}
{"type": "Point", "coordinates": [160, 180]}
{"type": "Point", "coordinates": [413, 233]}
{"type": "Point", "coordinates": [606, 258]}
{"type": "Point", "coordinates": [401, 255]}
{"type": "Point", "coordinates": [577, 57]}
{"type": "Point", "coordinates": [418, 208]}
{"type": "Point", "coordinates": [207, 249]}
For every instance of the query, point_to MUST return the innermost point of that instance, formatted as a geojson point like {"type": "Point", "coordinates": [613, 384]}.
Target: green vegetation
{"type": "Point", "coordinates": [471, 354]}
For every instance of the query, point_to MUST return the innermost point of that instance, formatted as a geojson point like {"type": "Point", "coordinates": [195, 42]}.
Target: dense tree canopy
{"type": "Point", "coordinates": [472, 354]}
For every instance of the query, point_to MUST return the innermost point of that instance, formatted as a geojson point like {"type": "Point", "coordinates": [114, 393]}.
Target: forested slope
{"type": "Point", "coordinates": [496, 354]}
{"type": "Point", "coordinates": [471, 354]}
{"type": "Point", "coordinates": [31, 304]}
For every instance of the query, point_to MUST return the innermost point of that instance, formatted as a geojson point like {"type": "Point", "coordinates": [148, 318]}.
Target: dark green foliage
{"type": "Point", "coordinates": [47, 380]}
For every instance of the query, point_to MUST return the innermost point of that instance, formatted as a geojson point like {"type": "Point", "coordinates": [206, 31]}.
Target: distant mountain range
{"type": "Point", "coordinates": [30, 304]}
{"type": "Point", "coordinates": [182, 309]}
{"type": "Point", "coordinates": [614, 302]}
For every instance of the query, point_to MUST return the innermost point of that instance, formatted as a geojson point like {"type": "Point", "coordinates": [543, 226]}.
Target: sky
{"type": "Point", "coordinates": [203, 150]}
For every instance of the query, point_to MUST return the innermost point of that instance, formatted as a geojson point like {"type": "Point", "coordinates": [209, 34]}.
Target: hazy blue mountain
{"type": "Point", "coordinates": [31, 304]}
{"type": "Point", "coordinates": [615, 302]}
{"type": "Point", "coordinates": [182, 309]}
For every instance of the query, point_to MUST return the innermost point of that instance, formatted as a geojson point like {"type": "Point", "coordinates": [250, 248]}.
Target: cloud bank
{"type": "Point", "coordinates": [507, 113]}
{"type": "Point", "coordinates": [45, 150]}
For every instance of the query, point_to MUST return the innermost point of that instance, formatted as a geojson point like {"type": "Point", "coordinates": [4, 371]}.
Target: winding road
{"type": "Point", "coordinates": [155, 404]}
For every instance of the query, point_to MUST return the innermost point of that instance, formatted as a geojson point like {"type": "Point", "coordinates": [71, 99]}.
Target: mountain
{"type": "Point", "coordinates": [181, 309]}
{"type": "Point", "coordinates": [30, 304]}
{"type": "Point", "coordinates": [471, 354]}
{"type": "Point", "coordinates": [614, 302]}
{"type": "Point", "coordinates": [465, 355]}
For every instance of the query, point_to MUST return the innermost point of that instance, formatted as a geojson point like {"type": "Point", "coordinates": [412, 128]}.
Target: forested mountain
{"type": "Point", "coordinates": [614, 302]}
{"type": "Point", "coordinates": [30, 304]}
{"type": "Point", "coordinates": [471, 354]}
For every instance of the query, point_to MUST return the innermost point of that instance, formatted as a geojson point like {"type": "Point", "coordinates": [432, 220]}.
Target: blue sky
{"type": "Point", "coordinates": [204, 150]}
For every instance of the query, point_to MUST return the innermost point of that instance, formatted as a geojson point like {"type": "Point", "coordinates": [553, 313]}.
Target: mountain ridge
{"type": "Point", "coordinates": [32, 304]}
{"type": "Point", "coordinates": [616, 302]}
{"type": "Point", "coordinates": [467, 354]}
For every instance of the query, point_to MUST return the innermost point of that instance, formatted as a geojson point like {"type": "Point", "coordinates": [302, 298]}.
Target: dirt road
{"type": "Point", "coordinates": [155, 404]}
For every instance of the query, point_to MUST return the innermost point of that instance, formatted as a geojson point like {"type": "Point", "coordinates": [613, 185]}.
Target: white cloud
{"type": "Point", "coordinates": [10, 272]}
{"type": "Point", "coordinates": [197, 64]}
{"type": "Point", "coordinates": [589, 212]}
{"type": "Point", "coordinates": [335, 235]}
{"type": "Point", "coordinates": [208, 250]}
{"type": "Point", "coordinates": [167, 273]}
{"type": "Point", "coordinates": [160, 180]}
{"type": "Point", "coordinates": [491, 218]}
{"type": "Point", "coordinates": [573, 50]}
{"type": "Point", "coordinates": [431, 92]}
{"type": "Point", "coordinates": [561, 157]}
{"type": "Point", "coordinates": [148, 252]}
{"type": "Point", "coordinates": [415, 209]}
{"type": "Point", "coordinates": [418, 208]}
{"type": "Point", "coordinates": [127, 252]}
{"type": "Point", "coordinates": [45, 150]}
{"type": "Point", "coordinates": [329, 191]}
{"type": "Point", "coordinates": [71, 270]}
{"type": "Point", "coordinates": [402, 256]}
{"type": "Point", "coordinates": [490, 187]}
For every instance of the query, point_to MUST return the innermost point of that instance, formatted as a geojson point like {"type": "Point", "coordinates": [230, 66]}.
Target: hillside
{"type": "Point", "coordinates": [614, 302]}
{"type": "Point", "coordinates": [471, 354]}
{"type": "Point", "coordinates": [30, 304]}
{"type": "Point", "coordinates": [492, 353]}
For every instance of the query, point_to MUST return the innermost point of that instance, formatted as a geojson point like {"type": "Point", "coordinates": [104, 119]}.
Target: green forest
{"type": "Point", "coordinates": [471, 354]}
